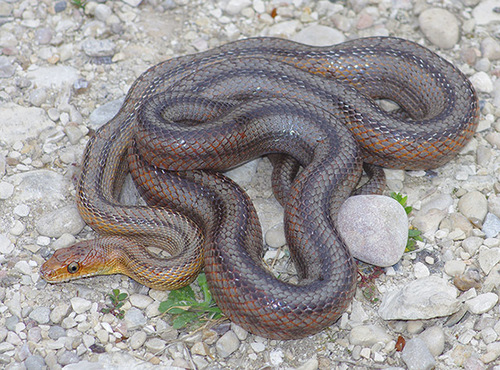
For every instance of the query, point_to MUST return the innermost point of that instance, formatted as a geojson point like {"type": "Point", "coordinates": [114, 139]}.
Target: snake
{"type": "Point", "coordinates": [316, 112]}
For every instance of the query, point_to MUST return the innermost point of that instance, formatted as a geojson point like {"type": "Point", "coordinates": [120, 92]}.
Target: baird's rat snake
{"type": "Point", "coordinates": [314, 110]}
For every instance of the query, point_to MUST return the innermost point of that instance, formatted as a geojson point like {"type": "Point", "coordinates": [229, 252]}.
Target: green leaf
{"type": "Point", "coordinates": [182, 320]}
{"type": "Point", "coordinates": [122, 296]}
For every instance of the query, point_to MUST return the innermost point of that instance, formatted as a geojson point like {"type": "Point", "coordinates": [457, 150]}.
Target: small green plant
{"type": "Point", "coordinates": [366, 282]}
{"type": "Point", "coordinates": [79, 3]}
{"type": "Point", "coordinates": [117, 301]}
{"type": "Point", "coordinates": [414, 235]}
{"type": "Point", "coordinates": [402, 200]}
{"type": "Point", "coordinates": [186, 309]}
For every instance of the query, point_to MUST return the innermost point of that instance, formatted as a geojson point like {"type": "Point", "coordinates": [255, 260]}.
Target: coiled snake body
{"type": "Point", "coordinates": [187, 118]}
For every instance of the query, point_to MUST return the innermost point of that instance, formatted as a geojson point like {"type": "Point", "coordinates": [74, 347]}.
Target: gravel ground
{"type": "Point", "coordinates": [64, 71]}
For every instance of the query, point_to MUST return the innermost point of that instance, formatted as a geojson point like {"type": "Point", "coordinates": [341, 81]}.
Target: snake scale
{"type": "Point", "coordinates": [314, 110]}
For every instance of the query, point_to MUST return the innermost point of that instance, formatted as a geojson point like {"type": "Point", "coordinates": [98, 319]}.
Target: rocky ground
{"type": "Point", "coordinates": [64, 71]}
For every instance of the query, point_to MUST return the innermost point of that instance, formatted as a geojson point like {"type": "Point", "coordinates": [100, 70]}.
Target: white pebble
{"type": "Point", "coordinates": [420, 270]}
{"type": "Point", "coordinates": [482, 303]}
{"type": "Point", "coordinates": [22, 210]}
{"type": "Point", "coordinates": [482, 82]}
{"type": "Point", "coordinates": [227, 344]}
{"type": "Point", "coordinates": [80, 305]}
{"type": "Point", "coordinates": [6, 190]}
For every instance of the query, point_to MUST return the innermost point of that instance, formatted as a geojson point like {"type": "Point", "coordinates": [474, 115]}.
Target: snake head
{"type": "Point", "coordinates": [83, 259]}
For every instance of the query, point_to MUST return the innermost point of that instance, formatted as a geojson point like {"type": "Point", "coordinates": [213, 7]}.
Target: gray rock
{"type": "Point", "coordinates": [6, 190]}
{"type": "Point", "coordinates": [134, 319]}
{"type": "Point", "coordinates": [485, 12]}
{"type": "Point", "coordinates": [59, 313]}
{"type": "Point", "coordinates": [375, 228]}
{"type": "Point", "coordinates": [473, 205]}
{"type": "Point", "coordinates": [440, 27]}
{"type": "Point", "coordinates": [140, 301]}
{"type": "Point", "coordinates": [11, 322]}
{"type": "Point", "coordinates": [80, 305]}
{"type": "Point", "coordinates": [56, 332]}
{"type": "Point", "coordinates": [98, 48]}
{"type": "Point", "coordinates": [46, 186]}
{"type": "Point", "coordinates": [155, 345]}
{"type": "Point", "coordinates": [439, 201]}
{"type": "Point", "coordinates": [102, 12]}
{"type": "Point", "coordinates": [454, 267]}
{"type": "Point", "coordinates": [428, 222]}
{"type": "Point", "coordinates": [494, 204]}
{"type": "Point", "coordinates": [6, 246]}
{"type": "Point", "coordinates": [227, 344]}
{"type": "Point", "coordinates": [55, 77]}
{"type": "Point", "coordinates": [491, 225]}
{"type": "Point", "coordinates": [20, 123]}
{"type": "Point", "coordinates": [490, 48]}
{"type": "Point", "coordinates": [34, 362]}
{"type": "Point", "coordinates": [488, 258]}
{"type": "Point", "coordinates": [434, 339]}
{"type": "Point", "coordinates": [423, 298]}
{"type": "Point", "coordinates": [43, 35]}
{"type": "Point", "coordinates": [234, 7]}
{"type": "Point", "coordinates": [104, 113]}
{"type": "Point", "coordinates": [368, 335]}
{"type": "Point", "coordinates": [275, 236]}
{"type": "Point", "coordinates": [417, 356]}
{"type": "Point", "coordinates": [318, 35]}
{"type": "Point", "coordinates": [243, 175]}
{"type": "Point", "coordinates": [471, 244]}
{"type": "Point", "coordinates": [41, 315]}
{"type": "Point", "coordinates": [482, 303]}
{"type": "Point", "coordinates": [482, 82]}
{"type": "Point", "coordinates": [65, 220]}
{"type": "Point", "coordinates": [7, 69]}
{"type": "Point", "coordinates": [137, 340]}
{"type": "Point", "coordinates": [68, 357]}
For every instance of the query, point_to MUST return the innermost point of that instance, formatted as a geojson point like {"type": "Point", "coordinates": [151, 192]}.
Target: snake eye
{"type": "Point", "coordinates": [73, 267]}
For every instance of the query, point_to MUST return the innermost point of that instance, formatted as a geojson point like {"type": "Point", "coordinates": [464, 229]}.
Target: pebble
{"type": "Point", "coordinates": [488, 258]}
{"type": "Point", "coordinates": [454, 267]}
{"type": "Point", "coordinates": [55, 77]}
{"type": "Point", "coordinates": [431, 22]}
{"type": "Point", "coordinates": [319, 35]}
{"type": "Point", "coordinates": [140, 301]}
{"type": "Point", "coordinates": [417, 356]}
{"type": "Point", "coordinates": [155, 345]}
{"type": "Point", "coordinates": [7, 69]}
{"type": "Point", "coordinates": [423, 298]}
{"type": "Point", "coordinates": [482, 303]}
{"type": "Point", "coordinates": [434, 339]}
{"type": "Point", "coordinates": [428, 222]}
{"type": "Point", "coordinates": [104, 113]}
{"type": "Point", "coordinates": [41, 315]}
{"type": "Point", "coordinates": [484, 13]}
{"type": "Point", "coordinates": [6, 190]}
{"type": "Point", "coordinates": [98, 48]}
{"type": "Point", "coordinates": [227, 344]}
{"type": "Point", "coordinates": [368, 335]}
{"type": "Point", "coordinates": [65, 220]}
{"type": "Point", "coordinates": [491, 225]}
{"type": "Point", "coordinates": [472, 244]}
{"type": "Point", "coordinates": [490, 48]}
{"type": "Point", "coordinates": [80, 305]}
{"type": "Point", "coordinates": [375, 228]}
{"type": "Point", "coordinates": [420, 270]}
{"type": "Point", "coordinates": [18, 121]}
{"type": "Point", "coordinates": [134, 318]}
{"type": "Point", "coordinates": [482, 82]}
{"type": "Point", "coordinates": [473, 205]}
